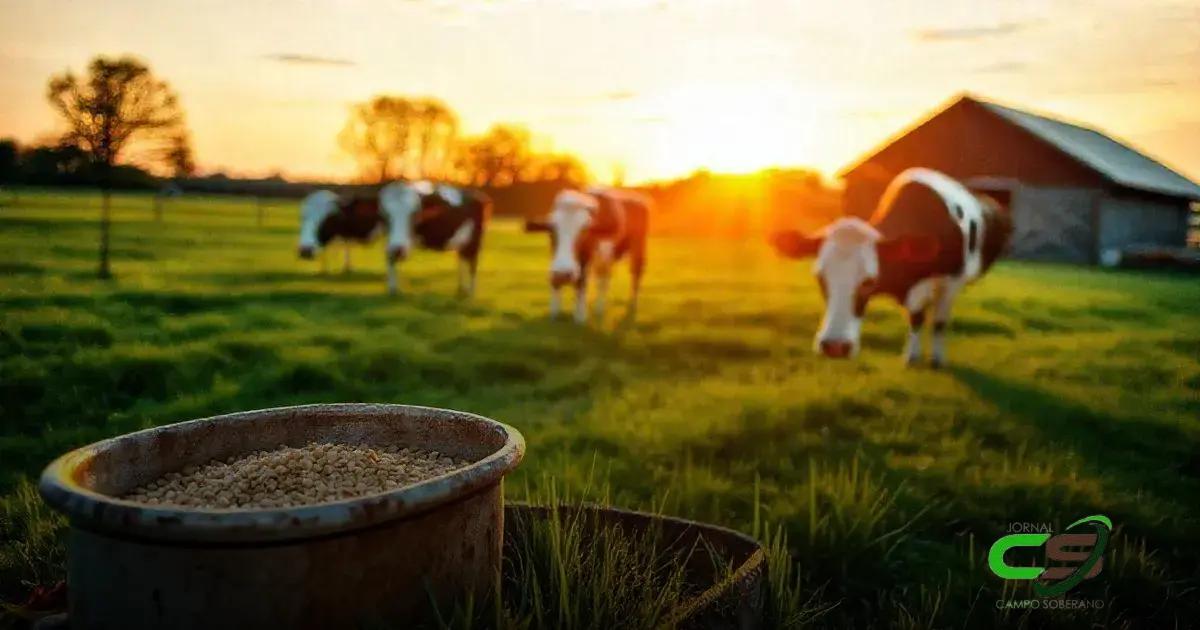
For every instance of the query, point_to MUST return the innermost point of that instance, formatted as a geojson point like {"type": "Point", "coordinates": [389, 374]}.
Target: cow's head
{"type": "Point", "coordinates": [402, 205]}
{"type": "Point", "coordinates": [399, 202]}
{"type": "Point", "coordinates": [314, 210]}
{"type": "Point", "coordinates": [572, 214]}
{"type": "Point", "coordinates": [849, 253]}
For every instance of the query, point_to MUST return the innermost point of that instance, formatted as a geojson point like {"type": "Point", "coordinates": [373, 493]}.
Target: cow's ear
{"type": "Point", "coordinates": [532, 225]}
{"type": "Point", "coordinates": [793, 244]}
{"type": "Point", "coordinates": [912, 248]}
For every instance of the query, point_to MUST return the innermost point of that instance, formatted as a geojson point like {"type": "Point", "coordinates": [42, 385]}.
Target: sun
{"type": "Point", "coordinates": [730, 128]}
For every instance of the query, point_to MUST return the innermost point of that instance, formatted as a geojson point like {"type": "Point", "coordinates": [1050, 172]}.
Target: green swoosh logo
{"type": "Point", "coordinates": [1102, 526]}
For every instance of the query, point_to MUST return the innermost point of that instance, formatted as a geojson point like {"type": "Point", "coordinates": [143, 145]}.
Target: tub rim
{"type": "Point", "coordinates": [101, 513]}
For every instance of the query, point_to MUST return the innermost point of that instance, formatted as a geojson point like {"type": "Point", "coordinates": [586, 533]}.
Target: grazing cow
{"type": "Point", "coordinates": [589, 232]}
{"type": "Point", "coordinates": [928, 238]}
{"type": "Point", "coordinates": [324, 217]}
{"type": "Point", "coordinates": [435, 216]}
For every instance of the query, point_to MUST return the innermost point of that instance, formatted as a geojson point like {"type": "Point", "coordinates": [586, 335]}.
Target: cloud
{"type": "Point", "coordinates": [308, 60]}
{"type": "Point", "coordinates": [961, 33]}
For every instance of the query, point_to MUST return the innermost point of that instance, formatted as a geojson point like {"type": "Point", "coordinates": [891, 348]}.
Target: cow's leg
{"type": "Point", "coordinates": [393, 281]}
{"type": "Point", "coordinates": [555, 302]}
{"type": "Point", "coordinates": [581, 290]}
{"type": "Point", "coordinates": [602, 265]}
{"type": "Point", "coordinates": [466, 275]}
{"type": "Point", "coordinates": [602, 280]}
{"type": "Point", "coordinates": [346, 257]}
{"type": "Point", "coordinates": [636, 264]}
{"type": "Point", "coordinates": [941, 317]}
{"type": "Point", "coordinates": [916, 302]}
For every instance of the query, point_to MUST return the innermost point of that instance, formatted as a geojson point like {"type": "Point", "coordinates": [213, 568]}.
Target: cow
{"type": "Point", "coordinates": [324, 216]}
{"type": "Point", "coordinates": [928, 238]}
{"type": "Point", "coordinates": [589, 232]}
{"type": "Point", "coordinates": [433, 216]}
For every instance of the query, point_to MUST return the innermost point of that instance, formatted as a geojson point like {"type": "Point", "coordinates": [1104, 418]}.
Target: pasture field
{"type": "Point", "coordinates": [1070, 392]}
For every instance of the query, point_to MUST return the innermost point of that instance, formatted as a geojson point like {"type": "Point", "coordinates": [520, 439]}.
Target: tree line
{"type": "Point", "coordinates": [125, 128]}
{"type": "Point", "coordinates": [399, 137]}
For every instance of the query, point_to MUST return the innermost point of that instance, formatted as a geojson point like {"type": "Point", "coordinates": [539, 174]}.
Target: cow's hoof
{"type": "Point", "coordinates": [937, 363]}
{"type": "Point", "coordinates": [912, 360]}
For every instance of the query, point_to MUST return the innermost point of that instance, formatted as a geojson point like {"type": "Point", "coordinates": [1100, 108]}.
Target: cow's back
{"type": "Point", "coordinates": [912, 207]}
{"type": "Point", "coordinates": [438, 220]}
{"type": "Point", "coordinates": [971, 230]}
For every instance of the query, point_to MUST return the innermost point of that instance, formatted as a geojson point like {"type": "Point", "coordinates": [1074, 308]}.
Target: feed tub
{"type": "Point", "coordinates": [728, 573]}
{"type": "Point", "coordinates": [380, 558]}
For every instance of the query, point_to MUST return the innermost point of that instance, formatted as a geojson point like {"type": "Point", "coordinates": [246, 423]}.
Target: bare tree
{"type": "Point", "coordinates": [119, 101]}
{"type": "Point", "coordinates": [396, 136]}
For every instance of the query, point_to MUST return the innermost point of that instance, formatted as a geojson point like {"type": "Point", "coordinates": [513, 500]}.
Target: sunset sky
{"type": "Point", "coordinates": [654, 88]}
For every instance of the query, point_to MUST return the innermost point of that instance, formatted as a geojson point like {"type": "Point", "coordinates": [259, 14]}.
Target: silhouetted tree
{"type": "Point", "coordinates": [57, 164]}
{"type": "Point", "coordinates": [178, 156]}
{"type": "Point", "coordinates": [560, 168]}
{"type": "Point", "coordinates": [396, 136]}
{"type": "Point", "coordinates": [500, 157]}
{"type": "Point", "coordinates": [119, 101]}
{"type": "Point", "coordinates": [437, 134]}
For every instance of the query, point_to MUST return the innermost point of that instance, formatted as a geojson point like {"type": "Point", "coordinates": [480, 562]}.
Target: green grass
{"type": "Point", "coordinates": [1070, 392]}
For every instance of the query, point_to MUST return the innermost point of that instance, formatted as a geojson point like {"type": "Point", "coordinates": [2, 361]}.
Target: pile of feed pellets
{"type": "Point", "coordinates": [289, 477]}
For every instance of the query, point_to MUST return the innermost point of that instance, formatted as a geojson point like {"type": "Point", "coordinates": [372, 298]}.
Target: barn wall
{"type": "Point", "coordinates": [1129, 221]}
{"type": "Point", "coordinates": [861, 195]}
{"type": "Point", "coordinates": [1054, 224]}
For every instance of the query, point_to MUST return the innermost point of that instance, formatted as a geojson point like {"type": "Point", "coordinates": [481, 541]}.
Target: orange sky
{"type": "Point", "coordinates": [655, 88]}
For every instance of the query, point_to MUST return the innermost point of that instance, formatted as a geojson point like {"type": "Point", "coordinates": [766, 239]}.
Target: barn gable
{"type": "Point", "coordinates": [1065, 150]}
{"type": "Point", "coordinates": [1119, 163]}
{"type": "Point", "coordinates": [1075, 194]}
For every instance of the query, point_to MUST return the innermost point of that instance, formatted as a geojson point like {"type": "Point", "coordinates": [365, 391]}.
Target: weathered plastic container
{"type": "Point", "coordinates": [374, 561]}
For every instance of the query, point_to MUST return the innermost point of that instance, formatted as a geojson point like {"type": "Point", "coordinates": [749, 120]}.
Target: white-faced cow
{"type": "Point", "coordinates": [928, 238]}
{"type": "Point", "coordinates": [589, 232]}
{"type": "Point", "coordinates": [324, 216]}
{"type": "Point", "coordinates": [434, 216]}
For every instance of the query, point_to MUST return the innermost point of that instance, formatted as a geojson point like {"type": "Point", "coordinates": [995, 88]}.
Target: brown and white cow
{"type": "Point", "coordinates": [589, 233]}
{"type": "Point", "coordinates": [929, 237]}
{"type": "Point", "coordinates": [436, 216]}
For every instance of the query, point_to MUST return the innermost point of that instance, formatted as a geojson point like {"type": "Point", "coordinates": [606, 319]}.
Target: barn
{"type": "Point", "coordinates": [1075, 194]}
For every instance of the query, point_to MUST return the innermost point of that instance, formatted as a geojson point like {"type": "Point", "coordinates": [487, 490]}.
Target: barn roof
{"type": "Point", "coordinates": [1113, 160]}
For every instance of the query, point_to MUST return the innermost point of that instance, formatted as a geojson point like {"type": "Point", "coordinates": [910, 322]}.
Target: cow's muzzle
{"type": "Point", "coordinates": [562, 278]}
{"type": "Point", "coordinates": [307, 252]}
{"type": "Point", "coordinates": [836, 348]}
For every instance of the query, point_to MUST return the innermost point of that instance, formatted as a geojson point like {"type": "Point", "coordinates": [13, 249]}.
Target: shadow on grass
{"type": "Point", "coordinates": [1137, 453]}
